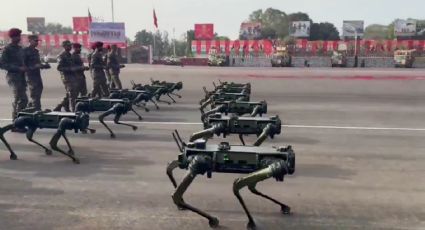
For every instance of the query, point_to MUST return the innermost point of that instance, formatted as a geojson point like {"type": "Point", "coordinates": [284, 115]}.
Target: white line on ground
{"type": "Point", "coordinates": [286, 126]}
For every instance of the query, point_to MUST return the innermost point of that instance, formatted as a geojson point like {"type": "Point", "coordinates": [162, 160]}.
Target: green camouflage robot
{"type": "Point", "coordinates": [61, 121]}
{"type": "Point", "coordinates": [259, 163]}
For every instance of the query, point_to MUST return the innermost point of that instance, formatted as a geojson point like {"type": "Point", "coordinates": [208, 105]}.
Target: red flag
{"type": "Point", "coordinates": [155, 19]}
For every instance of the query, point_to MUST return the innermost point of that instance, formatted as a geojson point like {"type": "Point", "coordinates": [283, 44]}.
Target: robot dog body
{"type": "Point", "coordinates": [61, 121]}
{"type": "Point", "coordinates": [260, 163]}
{"type": "Point", "coordinates": [220, 124]}
{"type": "Point", "coordinates": [118, 107]}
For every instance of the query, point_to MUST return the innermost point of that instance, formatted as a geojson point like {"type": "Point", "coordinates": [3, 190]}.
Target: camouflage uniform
{"type": "Point", "coordinates": [89, 58]}
{"type": "Point", "coordinates": [107, 72]}
{"type": "Point", "coordinates": [12, 60]}
{"type": "Point", "coordinates": [33, 76]}
{"type": "Point", "coordinates": [66, 68]}
{"type": "Point", "coordinates": [79, 74]}
{"type": "Point", "coordinates": [100, 87]}
{"type": "Point", "coordinates": [114, 69]}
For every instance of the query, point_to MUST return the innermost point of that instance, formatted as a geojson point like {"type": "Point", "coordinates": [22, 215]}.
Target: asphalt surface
{"type": "Point", "coordinates": [358, 135]}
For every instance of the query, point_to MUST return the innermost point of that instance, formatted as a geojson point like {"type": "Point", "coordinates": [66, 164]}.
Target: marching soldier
{"type": "Point", "coordinates": [100, 87]}
{"type": "Point", "coordinates": [107, 72]}
{"type": "Point", "coordinates": [33, 76]}
{"type": "Point", "coordinates": [79, 70]}
{"type": "Point", "coordinates": [114, 67]}
{"type": "Point", "coordinates": [66, 69]}
{"type": "Point", "coordinates": [93, 48]}
{"type": "Point", "coordinates": [13, 62]}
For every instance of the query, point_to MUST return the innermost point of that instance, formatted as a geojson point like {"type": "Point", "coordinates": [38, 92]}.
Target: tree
{"type": "Point", "coordinates": [190, 36]}
{"type": "Point", "coordinates": [376, 31]}
{"type": "Point", "coordinates": [275, 23]}
{"type": "Point", "coordinates": [218, 37]}
{"type": "Point", "coordinates": [162, 43]}
{"type": "Point", "coordinates": [56, 28]}
{"type": "Point", "coordinates": [144, 38]}
{"type": "Point", "coordinates": [323, 31]}
{"type": "Point", "coordinates": [299, 17]}
{"type": "Point", "coordinates": [268, 33]}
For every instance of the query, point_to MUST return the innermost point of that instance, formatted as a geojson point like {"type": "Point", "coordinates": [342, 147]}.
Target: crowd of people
{"type": "Point", "coordinates": [24, 65]}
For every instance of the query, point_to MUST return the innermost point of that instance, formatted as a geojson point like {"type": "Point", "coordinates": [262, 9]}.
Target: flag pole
{"type": "Point", "coordinates": [112, 9]}
{"type": "Point", "coordinates": [153, 50]}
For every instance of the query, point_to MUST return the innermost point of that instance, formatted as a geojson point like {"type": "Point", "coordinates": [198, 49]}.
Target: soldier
{"type": "Point", "coordinates": [79, 70]}
{"type": "Point", "coordinates": [93, 48]}
{"type": "Point", "coordinates": [107, 72]}
{"type": "Point", "coordinates": [66, 68]}
{"type": "Point", "coordinates": [13, 62]}
{"type": "Point", "coordinates": [33, 76]}
{"type": "Point", "coordinates": [114, 67]}
{"type": "Point", "coordinates": [100, 87]}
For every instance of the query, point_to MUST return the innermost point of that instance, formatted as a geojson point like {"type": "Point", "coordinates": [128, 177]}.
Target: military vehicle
{"type": "Point", "coordinates": [281, 57]}
{"type": "Point", "coordinates": [172, 60]}
{"type": "Point", "coordinates": [260, 163]}
{"type": "Point", "coordinates": [216, 60]}
{"type": "Point", "coordinates": [339, 56]}
{"type": "Point", "coordinates": [404, 58]}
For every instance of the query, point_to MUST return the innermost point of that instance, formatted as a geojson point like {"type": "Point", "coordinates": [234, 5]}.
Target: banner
{"type": "Point", "coordinates": [404, 28]}
{"type": "Point", "coordinates": [250, 31]}
{"type": "Point", "coordinates": [349, 29]}
{"type": "Point", "coordinates": [81, 24]}
{"type": "Point", "coordinates": [300, 29]}
{"type": "Point", "coordinates": [35, 24]}
{"type": "Point", "coordinates": [420, 27]}
{"type": "Point", "coordinates": [108, 33]}
{"type": "Point", "coordinates": [204, 31]}
{"type": "Point", "coordinates": [266, 47]}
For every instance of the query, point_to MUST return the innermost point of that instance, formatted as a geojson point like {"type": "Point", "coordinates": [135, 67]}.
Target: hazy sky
{"type": "Point", "coordinates": [225, 14]}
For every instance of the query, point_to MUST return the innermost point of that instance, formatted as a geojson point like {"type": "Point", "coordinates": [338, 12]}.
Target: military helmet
{"type": "Point", "coordinates": [14, 32]}
{"type": "Point", "coordinates": [76, 45]}
{"type": "Point", "coordinates": [33, 38]}
{"type": "Point", "coordinates": [66, 43]}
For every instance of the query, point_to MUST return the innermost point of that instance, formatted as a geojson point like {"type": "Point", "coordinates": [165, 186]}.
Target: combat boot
{"type": "Point", "coordinates": [66, 107]}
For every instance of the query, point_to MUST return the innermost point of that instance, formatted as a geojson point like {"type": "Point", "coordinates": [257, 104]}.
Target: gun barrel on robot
{"type": "Point", "coordinates": [239, 125]}
{"type": "Point", "coordinates": [171, 86]}
{"type": "Point", "coordinates": [241, 90]}
{"type": "Point", "coordinates": [236, 107]}
{"type": "Point", "coordinates": [232, 87]}
{"type": "Point", "coordinates": [223, 97]}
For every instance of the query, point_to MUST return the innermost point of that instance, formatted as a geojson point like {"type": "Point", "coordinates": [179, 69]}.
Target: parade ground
{"type": "Point", "coordinates": [358, 135]}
